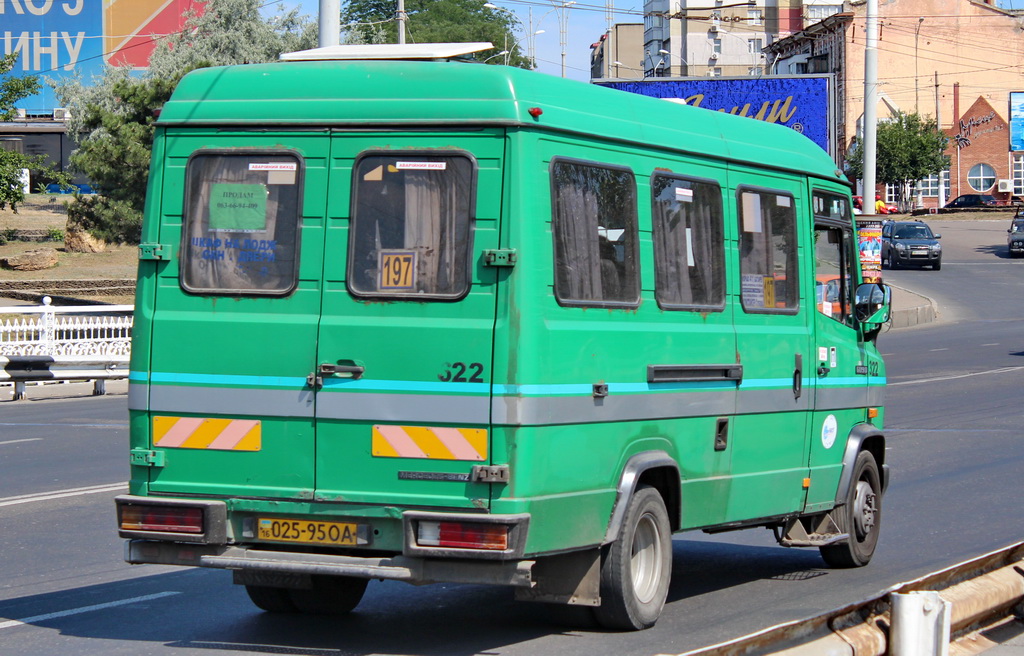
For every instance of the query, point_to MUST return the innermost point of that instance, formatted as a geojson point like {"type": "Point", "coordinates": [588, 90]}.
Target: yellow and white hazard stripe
{"type": "Point", "coordinates": [207, 433]}
{"type": "Point", "coordinates": [434, 443]}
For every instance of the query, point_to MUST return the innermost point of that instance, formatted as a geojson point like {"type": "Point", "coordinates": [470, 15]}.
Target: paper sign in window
{"type": "Point", "coordinates": [238, 207]}
{"type": "Point", "coordinates": [751, 213]}
{"type": "Point", "coordinates": [397, 270]}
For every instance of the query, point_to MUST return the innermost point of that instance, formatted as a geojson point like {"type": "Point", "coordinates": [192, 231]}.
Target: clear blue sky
{"type": "Point", "coordinates": [586, 24]}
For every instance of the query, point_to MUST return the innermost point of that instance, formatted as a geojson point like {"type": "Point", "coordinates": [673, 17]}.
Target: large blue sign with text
{"type": "Point", "coordinates": [799, 102]}
{"type": "Point", "coordinates": [54, 39]}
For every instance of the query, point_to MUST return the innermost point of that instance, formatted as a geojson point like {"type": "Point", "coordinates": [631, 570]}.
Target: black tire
{"type": "Point", "coordinates": [637, 567]}
{"type": "Point", "coordinates": [937, 266]}
{"type": "Point", "coordinates": [272, 600]}
{"type": "Point", "coordinates": [330, 595]}
{"type": "Point", "coordinates": [860, 516]}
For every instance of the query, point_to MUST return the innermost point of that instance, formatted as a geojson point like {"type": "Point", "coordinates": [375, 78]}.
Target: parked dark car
{"type": "Point", "coordinates": [1015, 236]}
{"type": "Point", "coordinates": [910, 243]}
{"type": "Point", "coordinates": [973, 200]}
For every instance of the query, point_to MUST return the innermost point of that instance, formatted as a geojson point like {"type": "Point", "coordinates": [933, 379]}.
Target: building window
{"type": "Point", "coordinates": [981, 177]}
{"type": "Point", "coordinates": [929, 187]}
{"type": "Point", "coordinates": [715, 71]}
{"type": "Point", "coordinates": [755, 70]}
{"type": "Point", "coordinates": [755, 16]}
{"type": "Point", "coordinates": [754, 46]}
{"type": "Point", "coordinates": [716, 45]}
{"type": "Point", "coordinates": [815, 13]}
{"type": "Point", "coordinates": [1018, 175]}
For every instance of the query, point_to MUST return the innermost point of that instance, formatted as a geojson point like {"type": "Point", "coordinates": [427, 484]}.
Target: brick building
{"type": "Point", "coordinates": [957, 60]}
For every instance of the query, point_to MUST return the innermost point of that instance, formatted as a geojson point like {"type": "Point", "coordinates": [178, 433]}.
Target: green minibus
{"type": "Point", "coordinates": [401, 316]}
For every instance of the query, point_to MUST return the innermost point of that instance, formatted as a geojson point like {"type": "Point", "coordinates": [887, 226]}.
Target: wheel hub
{"type": "Point", "coordinates": [864, 509]}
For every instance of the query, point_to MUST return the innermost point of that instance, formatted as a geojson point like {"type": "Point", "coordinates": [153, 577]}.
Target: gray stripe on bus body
{"type": "Point", "coordinates": [230, 401]}
{"type": "Point", "coordinates": [837, 398]}
{"type": "Point", "coordinates": [479, 410]}
{"type": "Point", "coordinates": [753, 402]}
{"type": "Point", "coordinates": [395, 408]}
{"type": "Point", "coordinates": [555, 410]}
{"type": "Point", "coordinates": [137, 396]}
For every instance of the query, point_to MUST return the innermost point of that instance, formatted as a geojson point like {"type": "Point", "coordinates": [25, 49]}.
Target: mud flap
{"type": "Point", "coordinates": [573, 578]}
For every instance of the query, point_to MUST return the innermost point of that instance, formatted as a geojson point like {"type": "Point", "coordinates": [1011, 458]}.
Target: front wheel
{"type": "Point", "coordinates": [859, 517]}
{"type": "Point", "coordinates": [937, 266]}
{"type": "Point", "coordinates": [637, 567]}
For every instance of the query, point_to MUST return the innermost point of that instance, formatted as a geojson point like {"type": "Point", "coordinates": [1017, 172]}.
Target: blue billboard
{"type": "Point", "coordinates": [801, 102]}
{"type": "Point", "coordinates": [54, 39]}
{"type": "Point", "coordinates": [1017, 121]}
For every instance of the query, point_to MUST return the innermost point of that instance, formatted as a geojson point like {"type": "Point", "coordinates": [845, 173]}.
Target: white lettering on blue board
{"type": "Point", "coordinates": [36, 8]}
{"type": "Point", "coordinates": [34, 46]}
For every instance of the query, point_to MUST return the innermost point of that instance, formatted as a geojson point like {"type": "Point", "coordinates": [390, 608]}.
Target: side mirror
{"type": "Point", "coordinates": [872, 306]}
{"type": "Point", "coordinates": [937, 236]}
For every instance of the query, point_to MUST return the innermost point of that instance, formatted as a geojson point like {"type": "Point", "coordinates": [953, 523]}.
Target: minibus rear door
{"type": "Point", "coordinates": [405, 341]}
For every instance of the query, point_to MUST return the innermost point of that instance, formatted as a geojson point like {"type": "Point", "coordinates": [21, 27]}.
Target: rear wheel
{"type": "Point", "coordinates": [330, 595]}
{"type": "Point", "coordinates": [272, 600]}
{"type": "Point", "coordinates": [636, 568]}
{"type": "Point", "coordinates": [859, 517]}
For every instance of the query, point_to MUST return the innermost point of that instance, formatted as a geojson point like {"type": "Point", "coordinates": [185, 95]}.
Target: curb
{"type": "Point", "coordinates": [914, 309]}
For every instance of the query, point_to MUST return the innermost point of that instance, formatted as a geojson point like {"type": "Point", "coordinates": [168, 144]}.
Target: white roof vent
{"type": "Point", "coordinates": [387, 51]}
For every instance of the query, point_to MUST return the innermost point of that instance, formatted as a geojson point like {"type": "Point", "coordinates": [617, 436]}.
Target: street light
{"type": "Point", "coordinates": [671, 55]}
{"type": "Point", "coordinates": [619, 65]}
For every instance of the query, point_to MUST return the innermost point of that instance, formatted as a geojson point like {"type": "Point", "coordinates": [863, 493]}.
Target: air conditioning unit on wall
{"type": "Point", "coordinates": [714, 56]}
{"type": "Point", "coordinates": [1006, 186]}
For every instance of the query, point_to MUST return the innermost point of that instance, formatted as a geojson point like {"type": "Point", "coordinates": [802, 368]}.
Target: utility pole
{"type": "Point", "coordinates": [870, 103]}
{"type": "Point", "coordinates": [330, 17]}
{"type": "Point", "coordinates": [400, 15]}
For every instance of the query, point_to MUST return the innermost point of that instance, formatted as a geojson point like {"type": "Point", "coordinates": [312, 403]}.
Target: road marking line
{"type": "Point", "coordinates": [60, 494]}
{"type": "Point", "coordinates": [941, 349]}
{"type": "Point", "coordinates": [1003, 370]}
{"type": "Point", "coordinates": [84, 609]}
{"type": "Point", "coordinates": [14, 424]}
{"type": "Point", "coordinates": [27, 439]}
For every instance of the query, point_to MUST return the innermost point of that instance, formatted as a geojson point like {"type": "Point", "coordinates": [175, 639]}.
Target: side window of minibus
{"type": "Point", "coordinates": [689, 243]}
{"type": "Point", "coordinates": [833, 256]}
{"type": "Point", "coordinates": [768, 242]}
{"type": "Point", "coordinates": [240, 223]}
{"type": "Point", "coordinates": [594, 217]}
{"type": "Point", "coordinates": [833, 272]}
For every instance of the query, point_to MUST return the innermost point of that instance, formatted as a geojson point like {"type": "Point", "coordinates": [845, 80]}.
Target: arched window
{"type": "Point", "coordinates": [981, 177]}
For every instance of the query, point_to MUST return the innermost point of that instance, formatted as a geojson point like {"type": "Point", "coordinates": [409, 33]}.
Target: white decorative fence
{"type": "Point", "coordinates": [85, 342]}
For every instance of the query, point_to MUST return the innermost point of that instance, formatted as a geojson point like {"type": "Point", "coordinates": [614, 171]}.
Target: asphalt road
{"type": "Point", "coordinates": [952, 416]}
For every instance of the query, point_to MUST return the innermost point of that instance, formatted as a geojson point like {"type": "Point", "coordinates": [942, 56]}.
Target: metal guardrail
{"type": "Point", "coordinates": [923, 617]}
{"type": "Point", "coordinates": [90, 342]}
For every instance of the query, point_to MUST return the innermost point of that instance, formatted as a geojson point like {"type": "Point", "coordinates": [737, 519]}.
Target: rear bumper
{"type": "Point", "coordinates": [253, 562]}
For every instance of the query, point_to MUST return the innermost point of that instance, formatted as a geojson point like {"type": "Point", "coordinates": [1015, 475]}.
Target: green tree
{"type": "Point", "coordinates": [438, 21]}
{"type": "Point", "coordinates": [12, 163]}
{"type": "Point", "coordinates": [908, 148]}
{"type": "Point", "coordinates": [114, 117]}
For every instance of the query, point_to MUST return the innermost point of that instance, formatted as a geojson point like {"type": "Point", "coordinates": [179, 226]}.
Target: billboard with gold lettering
{"type": "Point", "coordinates": [801, 102]}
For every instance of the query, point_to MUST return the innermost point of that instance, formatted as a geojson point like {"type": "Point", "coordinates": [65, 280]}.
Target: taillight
{"type": "Point", "coordinates": [462, 535]}
{"type": "Point", "coordinates": [170, 519]}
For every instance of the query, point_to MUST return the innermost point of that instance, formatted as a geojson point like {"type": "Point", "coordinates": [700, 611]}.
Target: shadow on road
{"type": "Point", "coordinates": [205, 613]}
